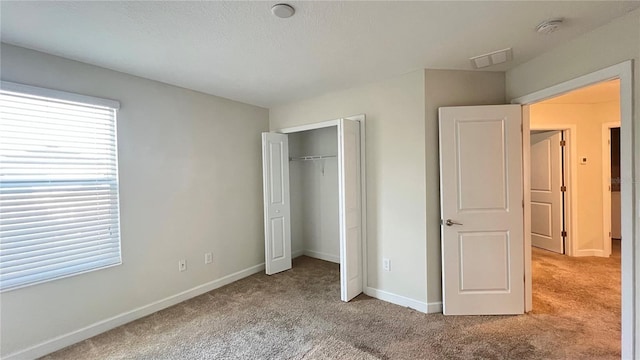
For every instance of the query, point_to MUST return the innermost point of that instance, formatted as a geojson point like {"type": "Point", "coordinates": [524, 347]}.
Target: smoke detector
{"type": "Point", "coordinates": [283, 11]}
{"type": "Point", "coordinates": [548, 26]}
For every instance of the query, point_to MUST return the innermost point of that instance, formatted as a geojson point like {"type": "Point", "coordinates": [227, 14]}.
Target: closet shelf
{"type": "Point", "coordinates": [311, 157]}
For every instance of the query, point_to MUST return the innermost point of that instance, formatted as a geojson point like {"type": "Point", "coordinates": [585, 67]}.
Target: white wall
{"type": "Point", "coordinates": [610, 44]}
{"type": "Point", "coordinates": [314, 195]}
{"type": "Point", "coordinates": [588, 120]}
{"type": "Point", "coordinates": [190, 183]}
{"type": "Point", "coordinates": [448, 88]}
{"type": "Point", "coordinates": [395, 156]}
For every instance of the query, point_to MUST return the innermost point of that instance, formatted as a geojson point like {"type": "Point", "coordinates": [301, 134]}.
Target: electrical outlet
{"type": "Point", "coordinates": [208, 258]}
{"type": "Point", "coordinates": [182, 265]}
{"type": "Point", "coordinates": [386, 264]}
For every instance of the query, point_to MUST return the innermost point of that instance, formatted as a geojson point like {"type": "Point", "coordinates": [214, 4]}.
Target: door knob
{"type": "Point", "coordinates": [450, 222]}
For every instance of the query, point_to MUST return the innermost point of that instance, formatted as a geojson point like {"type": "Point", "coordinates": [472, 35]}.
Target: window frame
{"type": "Point", "coordinates": [73, 98]}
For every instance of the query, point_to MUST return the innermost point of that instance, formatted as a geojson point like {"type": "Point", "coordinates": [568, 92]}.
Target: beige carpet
{"type": "Point", "coordinates": [298, 315]}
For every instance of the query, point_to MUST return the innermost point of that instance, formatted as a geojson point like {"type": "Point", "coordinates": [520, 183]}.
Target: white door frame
{"type": "Point", "coordinates": [606, 184]}
{"type": "Point", "coordinates": [361, 118]}
{"type": "Point", "coordinates": [629, 199]}
{"type": "Point", "coordinates": [571, 180]}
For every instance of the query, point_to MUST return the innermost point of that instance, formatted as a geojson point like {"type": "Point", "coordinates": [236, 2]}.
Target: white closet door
{"type": "Point", "coordinates": [277, 214]}
{"type": "Point", "coordinates": [350, 209]}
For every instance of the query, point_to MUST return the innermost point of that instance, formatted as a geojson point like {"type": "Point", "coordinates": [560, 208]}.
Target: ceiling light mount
{"type": "Point", "coordinates": [283, 11]}
{"type": "Point", "coordinates": [549, 26]}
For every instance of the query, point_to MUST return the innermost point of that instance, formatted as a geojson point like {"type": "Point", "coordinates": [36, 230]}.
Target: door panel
{"type": "Point", "coordinates": [541, 219]}
{"type": "Point", "coordinates": [480, 146]}
{"type": "Point", "coordinates": [350, 209]}
{"type": "Point", "coordinates": [477, 275]}
{"type": "Point", "coordinates": [278, 234]}
{"type": "Point", "coordinates": [481, 193]}
{"type": "Point", "coordinates": [277, 218]}
{"type": "Point", "coordinates": [546, 195]}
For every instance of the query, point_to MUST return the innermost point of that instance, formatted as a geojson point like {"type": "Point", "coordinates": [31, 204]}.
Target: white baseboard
{"type": "Point", "coordinates": [403, 301]}
{"type": "Point", "coordinates": [434, 308]}
{"type": "Point", "coordinates": [76, 336]}
{"type": "Point", "coordinates": [297, 253]}
{"type": "Point", "coordinates": [322, 256]}
{"type": "Point", "coordinates": [590, 252]}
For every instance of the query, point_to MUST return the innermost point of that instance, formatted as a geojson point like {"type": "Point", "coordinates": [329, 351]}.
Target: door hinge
{"type": "Point", "coordinates": [563, 188]}
{"type": "Point", "coordinates": [609, 234]}
{"type": "Point", "coordinates": [563, 143]}
{"type": "Point", "coordinates": [563, 233]}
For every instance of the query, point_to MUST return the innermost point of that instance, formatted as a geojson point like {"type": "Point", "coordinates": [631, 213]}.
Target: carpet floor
{"type": "Point", "coordinates": [298, 315]}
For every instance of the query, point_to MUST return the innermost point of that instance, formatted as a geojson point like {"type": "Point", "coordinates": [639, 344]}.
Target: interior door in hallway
{"type": "Point", "coordinates": [481, 192]}
{"type": "Point", "coordinates": [547, 207]}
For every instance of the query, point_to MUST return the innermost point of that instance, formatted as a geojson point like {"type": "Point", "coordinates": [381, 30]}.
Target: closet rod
{"type": "Point", "coordinates": [311, 157]}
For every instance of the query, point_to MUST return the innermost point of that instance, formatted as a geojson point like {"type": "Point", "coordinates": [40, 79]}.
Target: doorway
{"type": "Point", "coordinates": [313, 181]}
{"type": "Point", "coordinates": [584, 117]}
{"type": "Point", "coordinates": [616, 219]}
{"type": "Point", "coordinates": [623, 72]}
{"type": "Point", "coordinates": [319, 168]}
{"type": "Point", "coordinates": [611, 186]}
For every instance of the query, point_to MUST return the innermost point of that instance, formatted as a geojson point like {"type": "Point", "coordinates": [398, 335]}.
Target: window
{"type": "Point", "coordinates": [59, 210]}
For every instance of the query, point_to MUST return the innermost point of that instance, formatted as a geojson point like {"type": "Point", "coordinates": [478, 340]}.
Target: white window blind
{"type": "Point", "coordinates": [59, 209]}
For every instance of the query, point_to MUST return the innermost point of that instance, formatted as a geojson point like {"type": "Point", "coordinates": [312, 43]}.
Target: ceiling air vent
{"type": "Point", "coordinates": [492, 58]}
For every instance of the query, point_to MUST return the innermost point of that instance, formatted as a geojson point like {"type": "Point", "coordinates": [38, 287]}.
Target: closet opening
{"type": "Point", "coordinates": [314, 198]}
{"type": "Point", "coordinates": [313, 182]}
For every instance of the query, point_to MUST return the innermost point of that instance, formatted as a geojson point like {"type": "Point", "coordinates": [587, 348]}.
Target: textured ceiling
{"type": "Point", "coordinates": [599, 93]}
{"type": "Point", "coordinates": [238, 50]}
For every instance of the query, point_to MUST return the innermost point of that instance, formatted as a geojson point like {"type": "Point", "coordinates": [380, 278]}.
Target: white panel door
{"type": "Point", "coordinates": [481, 194]}
{"type": "Point", "coordinates": [350, 209]}
{"type": "Point", "coordinates": [277, 216]}
{"type": "Point", "coordinates": [546, 194]}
